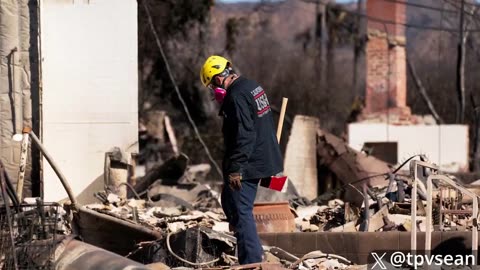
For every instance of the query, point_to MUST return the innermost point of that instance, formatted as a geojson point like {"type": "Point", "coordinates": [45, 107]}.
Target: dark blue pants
{"type": "Point", "coordinates": [238, 207]}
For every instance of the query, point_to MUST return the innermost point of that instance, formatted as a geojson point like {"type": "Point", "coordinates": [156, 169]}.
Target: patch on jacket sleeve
{"type": "Point", "coordinates": [261, 100]}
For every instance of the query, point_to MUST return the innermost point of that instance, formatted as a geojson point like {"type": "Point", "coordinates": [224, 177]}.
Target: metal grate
{"type": "Point", "coordinates": [28, 236]}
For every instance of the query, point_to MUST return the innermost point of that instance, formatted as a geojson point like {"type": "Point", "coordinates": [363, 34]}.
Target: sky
{"type": "Point", "coordinates": [338, 1]}
{"type": "Point", "coordinates": [234, 1]}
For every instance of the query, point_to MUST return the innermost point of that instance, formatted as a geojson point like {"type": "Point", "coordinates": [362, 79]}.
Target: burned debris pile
{"type": "Point", "coordinates": [186, 215]}
{"type": "Point", "coordinates": [191, 228]}
{"type": "Point", "coordinates": [366, 194]}
{"type": "Point", "coordinates": [171, 218]}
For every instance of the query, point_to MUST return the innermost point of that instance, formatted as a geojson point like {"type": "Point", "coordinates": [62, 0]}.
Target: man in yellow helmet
{"type": "Point", "coordinates": [251, 149]}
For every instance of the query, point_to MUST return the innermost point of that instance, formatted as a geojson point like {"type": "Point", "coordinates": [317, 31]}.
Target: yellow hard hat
{"type": "Point", "coordinates": [213, 66]}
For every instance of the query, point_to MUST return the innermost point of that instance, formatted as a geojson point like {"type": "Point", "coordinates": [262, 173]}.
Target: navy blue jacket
{"type": "Point", "coordinates": [251, 146]}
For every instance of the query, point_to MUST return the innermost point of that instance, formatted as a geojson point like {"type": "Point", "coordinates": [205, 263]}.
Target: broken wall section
{"type": "Point", "coordinates": [18, 79]}
{"type": "Point", "coordinates": [301, 158]}
{"type": "Point", "coordinates": [445, 145]}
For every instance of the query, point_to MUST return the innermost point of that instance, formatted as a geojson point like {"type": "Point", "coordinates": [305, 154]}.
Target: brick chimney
{"type": "Point", "coordinates": [386, 59]}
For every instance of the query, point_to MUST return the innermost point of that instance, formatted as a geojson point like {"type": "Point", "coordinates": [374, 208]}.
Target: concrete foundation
{"type": "Point", "coordinates": [357, 246]}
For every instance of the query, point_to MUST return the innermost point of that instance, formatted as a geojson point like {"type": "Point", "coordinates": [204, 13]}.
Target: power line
{"type": "Point", "coordinates": [170, 74]}
{"type": "Point", "coordinates": [408, 25]}
{"type": "Point", "coordinates": [471, 4]}
{"type": "Point", "coordinates": [375, 19]}
{"type": "Point", "coordinates": [422, 6]}
{"type": "Point", "coordinates": [472, 13]}
{"type": "Point", "coordinates": [442, 9]}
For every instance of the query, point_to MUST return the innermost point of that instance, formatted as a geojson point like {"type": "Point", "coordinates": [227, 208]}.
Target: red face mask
{"type": "Point", "coordinates": [219, 94]}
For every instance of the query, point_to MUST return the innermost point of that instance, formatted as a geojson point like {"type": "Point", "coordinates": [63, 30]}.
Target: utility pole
{"type": "Point", "coordinates": [461, 67]}
{"type": "Point", "coordinates": [475, 162]}
{"type": "Point", "coordinates": [318, 42]}
{"type": "Point", "coordinates": [331, 29]}
{"type": "Point", "coordinates": [320, 37]}
{"type": "Point", "coordinates": [359, 50]}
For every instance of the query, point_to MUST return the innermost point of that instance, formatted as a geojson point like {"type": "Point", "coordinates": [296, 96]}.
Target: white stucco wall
{"type": "Point", "coordinates": [446, 145]}
{"type": "Point", "coordinates": [89, 83]}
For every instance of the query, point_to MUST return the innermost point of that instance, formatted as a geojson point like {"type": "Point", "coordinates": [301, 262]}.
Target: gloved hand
{"type": "Point", "coordinates": [235, 181]}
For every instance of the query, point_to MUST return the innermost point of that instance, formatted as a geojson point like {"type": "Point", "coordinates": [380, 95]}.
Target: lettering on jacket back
{"type": "Point", "coordinates": [261, 100]}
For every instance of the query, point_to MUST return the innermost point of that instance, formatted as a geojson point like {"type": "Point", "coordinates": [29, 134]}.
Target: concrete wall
{"type": "Point", "coordinates": [18, 76]}
{"type": "Point", "coordinates": [89, 74]}
{"type": "Point", "coordinates": [358, 246]}
{"type": "Point", "coordinates": [446, 145]}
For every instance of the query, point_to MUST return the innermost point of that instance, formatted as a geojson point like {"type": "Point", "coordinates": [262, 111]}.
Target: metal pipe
{"type": "Point", "coordinates": [441, 213]}
{"type": "Point", "coordinates": [428, 233]}
{"type": "Point", "coordinates": [80, 255]}
{"type": "Point", "coordinates": [414, 164]}
{"type": "Point", "coordinates": [55, 168]}
{"type": "Point", "coordinates": [23, 162]}
{"type": "Point", "coordinates": [13, 89]}
{"type": "Point", "coordinates": [124, 223]}
{"type": "Point", "coordinates": [413, 238]}
{"type": "Point", "coordinates": [464, 190]}
{"type": "Point", "coordinates": [10, 188]}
